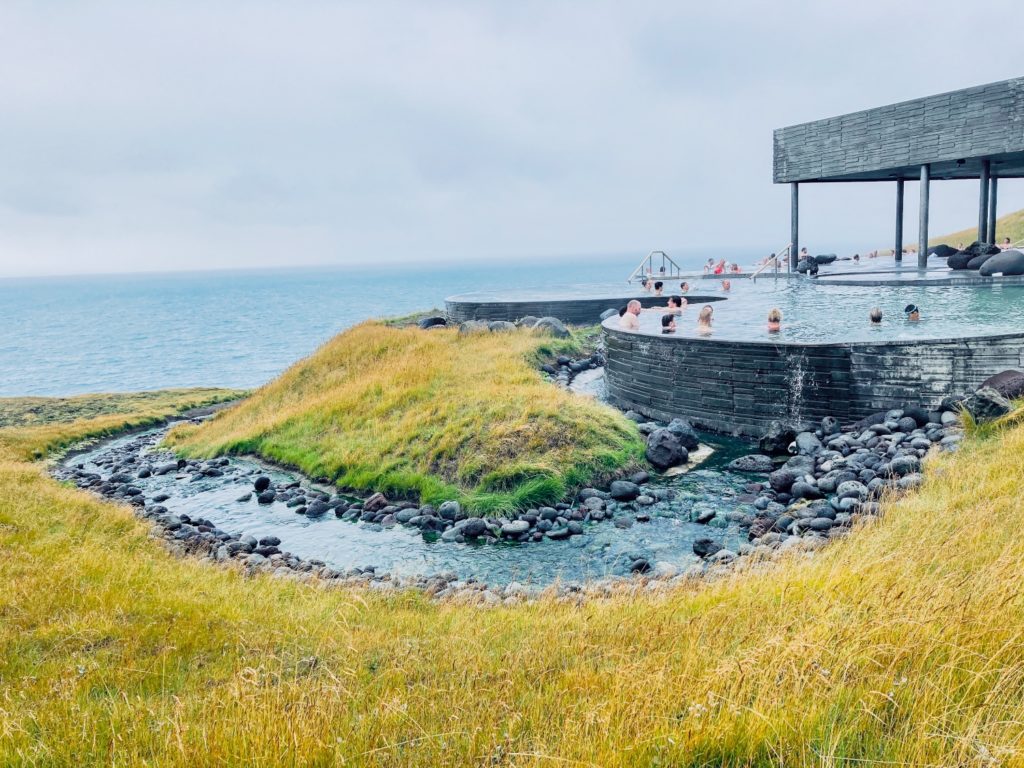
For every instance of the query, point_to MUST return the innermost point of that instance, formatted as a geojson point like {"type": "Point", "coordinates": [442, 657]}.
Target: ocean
{"type": "Point", "coordinates": [118, 333]}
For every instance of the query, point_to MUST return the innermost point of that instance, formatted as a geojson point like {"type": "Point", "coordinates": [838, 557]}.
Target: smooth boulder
{"type": "Point", "coordinates": [685, 432]}
{"type": "Point", "coordinates": [942, 250]}
{"type": "Point", "coordinates": [553, 326]}
{"type": "Point", "coordinates": [1006, 263]}
{"type": "Point", "coordinates": [664, 449]}
{"type": "Point", "coordinates": [979, 261]}
{"type": "Point", "coordinates": [430, 322]}
{"type": "Point", "coordinates": [754, 462]}
{"type": "Point", "coordinates": [623, 490]}
{"type": "Point", "coordinates": [1009, 384]}
{"type": "Point", "coordinates": [610, 312]}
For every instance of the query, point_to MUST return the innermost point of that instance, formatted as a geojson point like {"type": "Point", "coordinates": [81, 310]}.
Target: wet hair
{"type": "Point", "coordinates": [675, 300]}
{"type": "Point", "coordinates": [705, 314]}
{"type": "Point", "coordinates": [875, 315]}
{"type": "Point", "coordinates": [684, 286]}
{"type": "Point", "coordinates": [622, 311]}
{"type": "Point", "coordinates": [666, 321]}
{"type": "Point", "coordinates": [659, 285]}
{"type": "Point", "coordinates": [775, 315]}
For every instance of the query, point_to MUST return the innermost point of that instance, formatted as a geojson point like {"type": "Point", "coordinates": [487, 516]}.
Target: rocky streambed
{"type": "Point", "coordinates": [802, 488]}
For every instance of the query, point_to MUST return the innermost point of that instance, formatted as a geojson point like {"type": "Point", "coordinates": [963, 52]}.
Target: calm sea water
{"type": "Point", "coordinates": [69, 335]}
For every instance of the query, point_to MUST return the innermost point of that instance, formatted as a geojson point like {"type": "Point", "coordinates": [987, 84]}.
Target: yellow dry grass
{"type": "Point", "coordinates": [1011, 225]}
{"type": "Point", "coordinates": [902, 645]}
{"type": "Point", "coordinates": [433, 414]}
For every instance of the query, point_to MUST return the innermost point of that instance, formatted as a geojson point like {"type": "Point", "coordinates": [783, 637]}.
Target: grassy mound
{"type": "Point", "coordinates": [903, 645]}
{"type": "Point", "coordinates": [433, 414]}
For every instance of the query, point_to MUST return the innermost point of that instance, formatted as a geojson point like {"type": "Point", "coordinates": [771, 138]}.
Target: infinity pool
{"type": "Point", "coordinates": [819, 313]}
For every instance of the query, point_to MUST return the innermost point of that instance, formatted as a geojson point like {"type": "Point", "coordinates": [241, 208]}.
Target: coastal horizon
{"type": "Point", "coordinates": [510, 385]}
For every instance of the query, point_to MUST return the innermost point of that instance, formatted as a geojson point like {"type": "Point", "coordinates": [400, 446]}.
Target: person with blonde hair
{"type": "Point", "coordinates": [704, 319]}
{"type": "Point", "coordinates": [774, 320]}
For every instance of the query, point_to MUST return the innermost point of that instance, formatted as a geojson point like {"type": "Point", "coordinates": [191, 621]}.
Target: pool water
{"type": "Point", "coordinates": [817, 313]}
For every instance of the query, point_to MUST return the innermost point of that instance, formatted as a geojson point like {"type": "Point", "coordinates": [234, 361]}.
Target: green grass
{"type": "Point", "coordinates": [36, 426]}
{"type": "Point", "coordinates": [1011, 225]}
{"type": "Point", "coordinates": [901, 645]}
{"type": "Point", "coordinates": [433, 415]}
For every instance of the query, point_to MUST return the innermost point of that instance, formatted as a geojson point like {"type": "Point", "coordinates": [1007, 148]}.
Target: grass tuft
{"type": "Point", "coordinates": [436, 415]}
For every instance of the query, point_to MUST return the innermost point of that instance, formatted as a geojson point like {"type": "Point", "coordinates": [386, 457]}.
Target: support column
{"type": "Point", "coordinates": [898, 246]}
{"type": "Point", "coordinates": [983, 203]}
{"type": "Point", "coordinates": [922, 226]}
{"type": "Point", "coordinates": [794, 226]}
{"type": "Point", "coordinates": [993, 189]}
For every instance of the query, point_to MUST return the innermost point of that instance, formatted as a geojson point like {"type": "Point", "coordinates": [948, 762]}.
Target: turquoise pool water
{"type": "Point", "coordinates": [818, 313]}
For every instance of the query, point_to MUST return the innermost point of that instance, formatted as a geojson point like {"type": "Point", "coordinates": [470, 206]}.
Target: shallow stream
{"type": "Point", "coordinates": [604, 548]}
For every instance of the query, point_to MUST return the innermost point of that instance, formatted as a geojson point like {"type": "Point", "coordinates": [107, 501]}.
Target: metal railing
{"type": "Point", "coordinates": [648, 263]}
{"type": "Point", "coordinates": [774, 260]}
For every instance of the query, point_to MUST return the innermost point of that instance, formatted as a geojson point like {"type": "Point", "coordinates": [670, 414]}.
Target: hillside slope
{"type": "Point", "coordinates": [1011, 225]}
{"type": "Point", "coordinates": [437, 414]}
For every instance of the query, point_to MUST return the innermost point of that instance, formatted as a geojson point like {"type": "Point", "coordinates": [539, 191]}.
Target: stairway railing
{"type": "Point", "coordinates": [774, 260]}
{"type": "Point", "coordinates": [648, 262]}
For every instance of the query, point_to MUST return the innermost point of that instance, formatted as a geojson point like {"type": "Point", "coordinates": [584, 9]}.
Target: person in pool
{"type": "Point", "coordinates": [684, 287]}
{"type": "Point", "coordinates": [675, 306]}
{"type": "Point", "coordinates": [659, 288]}
{"type": "Point", "coordinates": [710, 265]}
{"type": "Point", "coordinates": [668, 323]}
{"type": "Point", "coordinates": [912, 312]}
{"type": "Point", "coordinates": [726, 285]}
{"type": "Point", "coordinates": [704, 319]}
{"type": "Point", "coordinates": [876, 316]}
{"type": "Point", "coordinates": [774, 320]}
{"type": "Point", "coordinates": [1006, 244]}
{"type": "Point", "coordinates": [631, 320]}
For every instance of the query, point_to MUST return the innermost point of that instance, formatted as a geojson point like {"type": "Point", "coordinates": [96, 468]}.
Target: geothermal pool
{"type": "Point", "coordinates": [816, 313]}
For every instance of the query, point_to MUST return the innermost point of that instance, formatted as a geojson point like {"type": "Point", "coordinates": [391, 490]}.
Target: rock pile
{"type": "Point", "coordinates": [566, 368]}
{"type": "Point", "coordinates": [549, 325]}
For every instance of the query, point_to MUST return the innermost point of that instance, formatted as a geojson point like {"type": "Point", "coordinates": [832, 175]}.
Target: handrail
{"type": "Point", "coordinates": [648, 261]}
{"type": "Point", "coordinates": [774, 259]}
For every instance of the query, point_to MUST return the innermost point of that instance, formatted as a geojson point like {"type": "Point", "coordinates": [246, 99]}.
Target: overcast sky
{"type": "Point", "coordinates": [182, 135]}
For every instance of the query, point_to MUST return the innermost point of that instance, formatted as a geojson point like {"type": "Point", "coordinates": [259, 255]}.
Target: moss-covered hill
{"type": "Point", "coordinates": [434, 414]}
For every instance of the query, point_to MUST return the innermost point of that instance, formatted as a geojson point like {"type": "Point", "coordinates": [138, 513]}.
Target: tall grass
{"type": "Point", "coordinates": [1011, 225]}
{"type": "Point", "coordinates": [901, 645]}
{"type": "Point", "coordinates": [433, 414]}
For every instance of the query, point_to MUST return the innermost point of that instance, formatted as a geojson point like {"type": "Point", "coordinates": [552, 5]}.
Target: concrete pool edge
{"type": "Point", "coordinates": [741, 387]}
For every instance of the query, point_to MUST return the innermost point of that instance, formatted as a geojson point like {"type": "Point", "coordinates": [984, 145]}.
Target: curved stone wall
{"type": "Point", "coordinates": [578, 311]}
{"type": "Point", "coordinates": [737, 387]}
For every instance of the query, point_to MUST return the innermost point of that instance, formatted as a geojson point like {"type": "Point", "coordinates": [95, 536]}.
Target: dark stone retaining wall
{"type": "Point", "coordinates": [576, 311]}
{"type": "Point", "coordinates": [728, 386]}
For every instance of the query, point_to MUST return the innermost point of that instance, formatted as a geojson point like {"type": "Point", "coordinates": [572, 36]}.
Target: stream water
{"type": "Point", "coordinates": [604, 549]}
